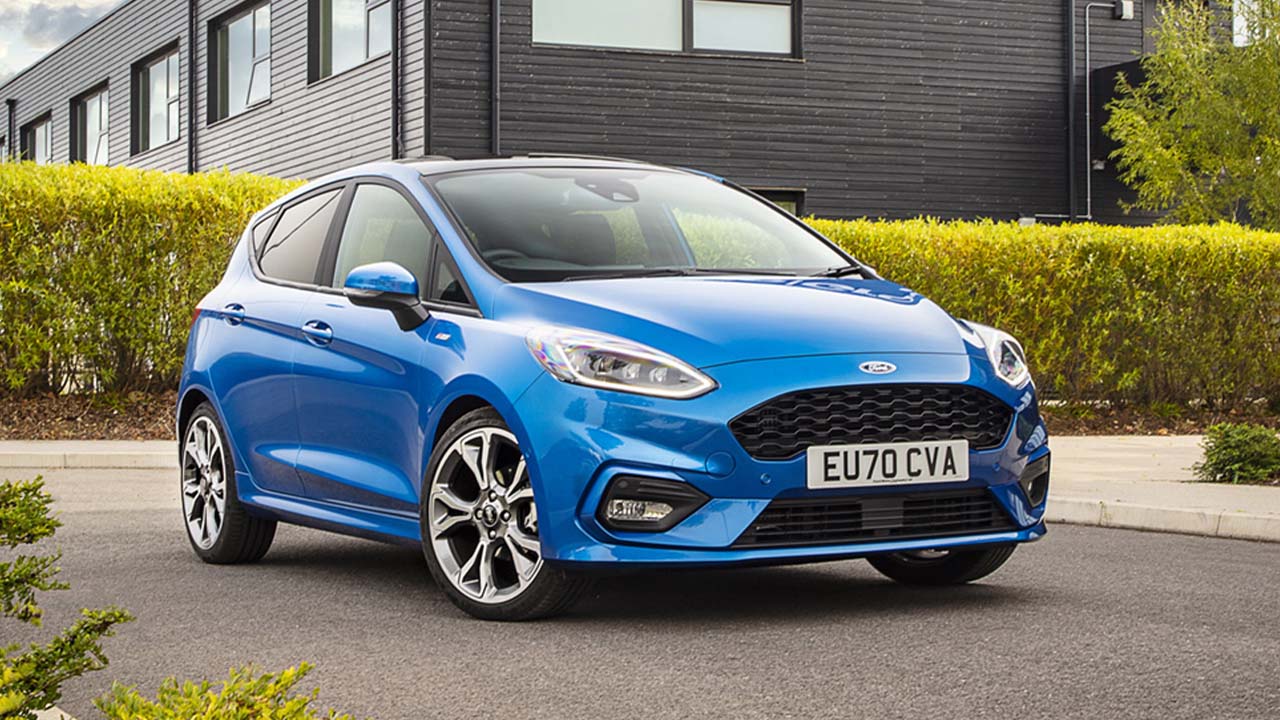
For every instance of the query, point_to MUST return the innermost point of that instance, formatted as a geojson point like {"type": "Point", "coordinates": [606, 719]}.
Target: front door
{"type": "Point", "coordinates": [361, 389]}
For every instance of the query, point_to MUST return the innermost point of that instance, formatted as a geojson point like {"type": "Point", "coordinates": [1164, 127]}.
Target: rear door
{"type": "Point", "coordinates": [363, 390]}
{"type": "Point", "coordinates": [261, 323]}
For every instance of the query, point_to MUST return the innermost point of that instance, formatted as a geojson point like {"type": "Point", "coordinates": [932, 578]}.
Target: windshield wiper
{"type": "Point", "coordinates": [843, 270]}
{"type": "Point", "coordinates": [676, 272]}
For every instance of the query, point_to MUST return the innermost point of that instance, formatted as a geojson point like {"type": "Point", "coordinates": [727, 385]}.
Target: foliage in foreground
{"type": "Point", "coordinates": [244, 696]}
{"type": "Point", "coordinates": [31, 679]}
{"type": "Point", "coordinates": [1240, 453]}
{"type": "Point", "coordinates": [1200, 137]}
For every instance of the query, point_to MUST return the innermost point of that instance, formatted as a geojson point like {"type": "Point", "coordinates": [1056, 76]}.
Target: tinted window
{"type": "Point", "coordinates": [382, 225]}
{"type": "Point", "coordinates": [293, 250]}
{"type": "Point", "coordinates": [549, 224]}
{"type": "Point", "coordinates": [448, 288]}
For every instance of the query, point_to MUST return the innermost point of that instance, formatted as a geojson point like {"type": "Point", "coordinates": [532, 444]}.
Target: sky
{"type": "Point", "coordinates": [30, 28]}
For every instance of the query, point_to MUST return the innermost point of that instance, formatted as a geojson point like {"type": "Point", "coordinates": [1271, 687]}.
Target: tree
{"type": "Point", "coordinates": [31, 680]}
{"type": "Point", "coordinates": [1199, 138]}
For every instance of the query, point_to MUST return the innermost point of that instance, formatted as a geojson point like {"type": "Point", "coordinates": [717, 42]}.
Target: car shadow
{"type": "Point", "coordinates": [845, 589]}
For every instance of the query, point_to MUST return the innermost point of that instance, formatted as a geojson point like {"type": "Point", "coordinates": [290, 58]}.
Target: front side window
{"type": "Point", "coordinates": [550, 224]}
{"type": "Point", "coordinates": [37, 144]}
{"type": "Point", "coordinates": [383, 226]}
{"type": "Point", "coordinates": [292, 251]}
{"type": "Point", "coordinates": [346, 33]}
{"type": "Point", "coordinates": [157, 111]}
{"type": "Point", "coordinates": [89, 130]}
{"type": "Point", "coordinates": [743, 26]}
{"type": "Point", "coordinates": [242, 62]}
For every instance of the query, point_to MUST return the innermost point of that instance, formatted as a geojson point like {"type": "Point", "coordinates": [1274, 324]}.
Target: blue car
{"type": "Point", "coordinates": [537, 368]}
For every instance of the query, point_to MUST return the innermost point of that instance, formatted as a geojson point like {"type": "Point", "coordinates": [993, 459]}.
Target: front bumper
{"type": "Point", "coordinates": [578, 439]}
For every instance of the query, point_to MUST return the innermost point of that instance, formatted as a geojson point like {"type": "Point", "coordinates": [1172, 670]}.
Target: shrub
{"type": "Point", "coordinates": [31, 680]}
{"type": "Point", "coordinates": [1240, 453]}
{"type": "Point", "coordinates": [1150, 315]}
{"type": "Point", "coordinates": [245, 696]}
{"type": "Point", "coordinates": [100, 269]}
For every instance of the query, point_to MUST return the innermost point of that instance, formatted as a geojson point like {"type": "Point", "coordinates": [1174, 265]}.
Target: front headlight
{"type": "Point", "coordinates": [1006, 354]}
{"type": "Point", "coordinates": [611, 363]}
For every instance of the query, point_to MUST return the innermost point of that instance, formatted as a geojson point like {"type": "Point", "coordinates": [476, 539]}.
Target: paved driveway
{"type": "Point", "coordinates": [1087, 623]}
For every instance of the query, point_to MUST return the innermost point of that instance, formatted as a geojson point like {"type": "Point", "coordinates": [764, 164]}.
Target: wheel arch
{"type": "Point", "coordinates": [463, 396]}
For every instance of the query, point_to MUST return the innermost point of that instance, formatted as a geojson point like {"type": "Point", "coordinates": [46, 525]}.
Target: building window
{"type": "Point", "coordinates": [4, 149]}
{"type": "Point", "coordinates": [89, 126]}
{"type": "Point", "coordinates": [1243, 16]}
{"type": "Point", "coordinates": [756, 27]}
{"type": "Point", "coordinates": [764, 27]}
{"type": "Point", "coordinates": [240, 69]}
{"type": "Point", "coordinates": [786, 198]}
{"type": "Point", "coordinates": [36, 141]}
{"type": "Point", "coordinates": [345, 33]}
{"type": "Point", "coordinates": [156, 102]}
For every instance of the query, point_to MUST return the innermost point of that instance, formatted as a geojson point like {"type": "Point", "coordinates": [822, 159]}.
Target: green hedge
{"type": "Point", "coordinates": [100, 269]}
{"type": "Point", "coordinates": [1164, 314]}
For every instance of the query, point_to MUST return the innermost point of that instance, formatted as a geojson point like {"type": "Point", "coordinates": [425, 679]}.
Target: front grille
{"type": "Point", "coordinates": [786, 425]}
{"type": "Point", "coordinates": [836, 521]}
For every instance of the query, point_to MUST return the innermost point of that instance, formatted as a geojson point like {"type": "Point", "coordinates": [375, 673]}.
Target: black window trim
{"type": "Point", "coordinates": [273, 216]}
{"type": "Point", "coordinates": [314, 38]}
{"type": "Point", "coordinates": [329, 258]}
{"type": "Point", "coordinates": [26, 147]}
{"type": "Point", "coordinates": [686, 31]}
{"type": "Point", "coordinates": [136, 117]}
{"type": "Point", "coordinates": [213, 59]}
{"type": "Point", "coordinates": [333, 235]}
{"type": "Point", "coordinates": [79, 143]}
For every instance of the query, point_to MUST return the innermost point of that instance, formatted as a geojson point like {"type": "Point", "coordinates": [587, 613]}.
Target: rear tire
{"type": "Point", "coordinates": [946, 567]}
{"type": "Point", "coordinates": [220, 529]}
{"type": "Point", "coordinates": [479, 526]}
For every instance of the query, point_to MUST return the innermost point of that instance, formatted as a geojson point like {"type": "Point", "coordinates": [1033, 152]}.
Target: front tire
{"type": "Point", "coordinates": [480, 526]}
{"type": "Point", "coordinates": [221, 531]}
{"type": "Point", "coordinates": [941, 567]}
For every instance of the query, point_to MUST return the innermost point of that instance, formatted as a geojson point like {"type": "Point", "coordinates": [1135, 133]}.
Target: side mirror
{"type": "Point", "coordinates": [388, 286]}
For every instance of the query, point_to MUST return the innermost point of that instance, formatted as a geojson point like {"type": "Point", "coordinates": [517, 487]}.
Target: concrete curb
{"type": "Point", "coordinates": [53, 713]}
{"type": "Point", "coordinates": [1131, 516]}
{"type": "Point", "coordinates": [1070, 510]}
{"type": "Point", "coordinates": [103, 459]}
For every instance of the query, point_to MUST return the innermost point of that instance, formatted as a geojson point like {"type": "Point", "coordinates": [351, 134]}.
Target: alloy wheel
{"type": "Point", "coordinates": [482, 519]}
{"type": "Point", "coordinates": [204, 482]}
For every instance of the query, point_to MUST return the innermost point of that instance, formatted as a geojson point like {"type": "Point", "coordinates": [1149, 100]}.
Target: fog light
{"type": "Point", "coordinates": [640, 504]}
{"type": "Point", "coordinates": [1035, 481]}
{"type": "Point", "coordinates": [637, 510]}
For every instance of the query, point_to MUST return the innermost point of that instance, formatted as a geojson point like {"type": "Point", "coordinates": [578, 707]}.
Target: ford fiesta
{"type": "Point", "coordinates": [540, 367]}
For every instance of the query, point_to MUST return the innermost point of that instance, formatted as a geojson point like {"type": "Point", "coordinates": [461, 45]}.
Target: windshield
{"type": "Point", "coordinates": [549, 224]}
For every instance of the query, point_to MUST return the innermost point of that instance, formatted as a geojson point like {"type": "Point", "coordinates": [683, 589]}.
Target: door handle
{"type": "Point", "coordinates": [234, 313]}
{"type": "Point", "coordinates": [318, 333]}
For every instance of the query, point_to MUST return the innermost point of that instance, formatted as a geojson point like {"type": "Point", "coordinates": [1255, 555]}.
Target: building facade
{"type": "Point", "coordinates": [882, 108]}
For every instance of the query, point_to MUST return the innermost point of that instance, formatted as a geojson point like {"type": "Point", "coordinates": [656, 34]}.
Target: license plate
{"type": "Point", "coordinates": [874, 465]}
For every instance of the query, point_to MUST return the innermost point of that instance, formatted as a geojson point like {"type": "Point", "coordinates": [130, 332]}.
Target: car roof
{"type": "Point", "coordinates": [442, 165]}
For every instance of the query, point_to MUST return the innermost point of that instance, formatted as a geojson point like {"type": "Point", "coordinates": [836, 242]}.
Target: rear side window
{"type": "Point", "coordinates": [293, 250]}
{"type": "Point", "coordinates": [383, 226]}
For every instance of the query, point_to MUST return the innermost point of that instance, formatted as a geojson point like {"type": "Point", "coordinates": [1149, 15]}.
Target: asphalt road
{"type": "Point", "coordinates": [1086, 623]}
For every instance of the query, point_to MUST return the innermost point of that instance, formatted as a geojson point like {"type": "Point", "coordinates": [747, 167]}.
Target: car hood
{"type": "Point", "coordinates": [713, 320]}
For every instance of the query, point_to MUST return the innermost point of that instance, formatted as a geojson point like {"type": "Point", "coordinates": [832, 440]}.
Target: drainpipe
{"type": "Point", "coordinates": [1073, 204]}
{"type": "Point", "coordinates": [429, 63]}
{"type": "Point", "coordinates": [12, 105]}
{"type": "Point", "coordinates": [395, 79]}
{"type": "Point", "coordinates": [191, 86]}
{"type": "Point", "coordinates": [495, 79]}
